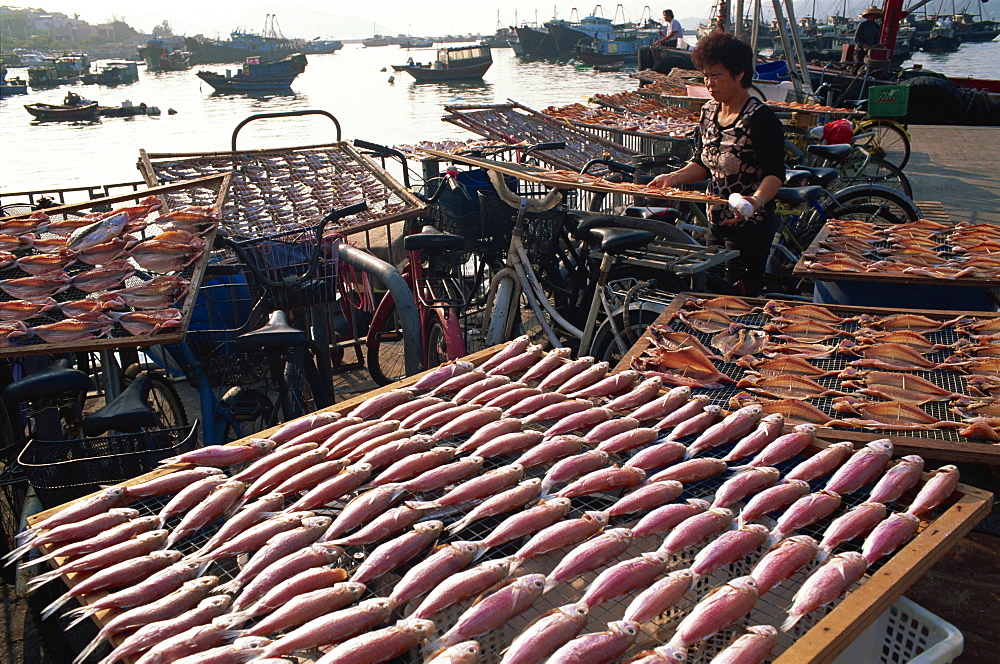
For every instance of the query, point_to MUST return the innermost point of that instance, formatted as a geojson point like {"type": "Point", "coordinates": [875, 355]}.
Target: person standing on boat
{"type": "Point", "coordinates": [739, 147]}
{"type": "Point", "coordinates": [674, 30]}
{"type": "Point", "coordinates": [868, 33]}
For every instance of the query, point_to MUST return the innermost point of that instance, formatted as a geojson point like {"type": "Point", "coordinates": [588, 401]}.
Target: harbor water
{"type": "Point", "coordinates": [349, 84]}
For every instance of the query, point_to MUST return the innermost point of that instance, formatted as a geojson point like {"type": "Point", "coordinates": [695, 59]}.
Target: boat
{"type": "Point", "coordinates": [319, 46]}
{"type": "Point", "coordinates": [535, 41]}
{"type": "Point", "coordinates": [115, 72]}
{"type": "Point", "coordinates": [161, 56]}
{"type": "Point", "coordinates": [624, 44]}
{"type": "Point", "coordinates": [413, 42]}
{"type": "Point", "coordinates": [12, 86]}
{"type": "Point", "coordinates": [567, 34]}
{"type": "Point", "coordinates": [942, 38]}
{"type": "Point", "coordinates": [256, 76]}
{"type": "Point", "coordinates": [269, 46]}
{"type": "Point", "coordinates": [376, 40]}
{"type": "Point", "coordinates": [77, 108]}
{"type": "Point", "coordinates": [452, 64]}
{"type": "Point", "coordinates": [56, 71]}
{"type": "Point", "coordinates": [27, 58]}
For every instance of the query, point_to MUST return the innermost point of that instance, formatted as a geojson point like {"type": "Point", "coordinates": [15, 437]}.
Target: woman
{"type": "Point", "coordinates": [740, 148]}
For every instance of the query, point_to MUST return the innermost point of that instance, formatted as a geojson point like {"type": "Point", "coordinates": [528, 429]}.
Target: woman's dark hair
{"type": "Point", "coordinates": [724, 48]}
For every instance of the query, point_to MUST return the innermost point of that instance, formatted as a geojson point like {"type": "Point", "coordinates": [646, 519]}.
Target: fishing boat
{"type": "Point", "coordinates": [535, 41]}
{"type": "Point", "coordinates": [12, 86]}
{"type": "Point", "coordinates": [376, 40]}
{"type": "Point", "coordinates": [568, 34]}
{"type": "Point", "coordinates": [453, 64]}
{"type": "Point", "coordinates": [161, 56]}
{"type": "Point", "coordinates": [269, 46]}
{"type": "Point", "coordinates": [256, 76]}
{"type": "Point", "coordinates": [320, 46]}
{"type": "Point", "coordinates": [85, 109]}
{"type": "Point", "coordinates": [622, 45]}
{"type": "Point", "coordinates": [115, 72]}
{"type": "Point", "coordinates": [56, 71]}
{"type": "Point", "coordinates": [942, 38]}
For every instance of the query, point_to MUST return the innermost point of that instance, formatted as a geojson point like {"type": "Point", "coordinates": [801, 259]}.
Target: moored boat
{"type": "Point", "coordinates": [12, 86]}
{"type": "Point", "coordinates": [84, 110]}
{"type": "Point", "coordinates": [456, 63]}
{"type": "Point", "coordinates": [535, 41]}
{"type": "Point", "coordinates": [256, 76]}
{"type": "Point", "coordinates": [116, 72]}
{"type": "Point", "coordinates": [267, 47]}
{"type": "Point", "coordinates": [161, 56]}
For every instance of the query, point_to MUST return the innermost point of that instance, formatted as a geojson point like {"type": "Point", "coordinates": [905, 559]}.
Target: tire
{"type": "Point", "coordinates": [163, 397]}
{"type": "Point", "coordinates": [385, 357]}
{"type": "Point", "coordinates": [605, 347]}
{"type": "Point", "coordinates": [890, 141]}
{"type": "Point", "coordinates": [934, 100]}
{"type": "Point", "coordinates": [437, 344]}
{"type": "Point", "coordinates": [300, 378]}
{"type": "Point", "coordinates": [898, 206]}
{"type": "Point", "coordinates": [250, 409]}
{"type": "Point", "coordinates": [871, 213]}
{"type": "Point", "coordinates": [875, 171]}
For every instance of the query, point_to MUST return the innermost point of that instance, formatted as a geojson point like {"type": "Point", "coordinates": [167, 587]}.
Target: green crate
{"type": "Point", "coordinates": [888, 101]}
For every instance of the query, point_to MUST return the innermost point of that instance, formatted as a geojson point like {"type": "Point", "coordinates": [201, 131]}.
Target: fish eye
{"type": "Point", "coordinates": [631, 631]}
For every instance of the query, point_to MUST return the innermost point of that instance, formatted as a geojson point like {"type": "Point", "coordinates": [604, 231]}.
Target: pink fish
{"type": "Point", "coordinates": [629, 440]}
{"type": "Point", "coordinates": [20, 310]}
{"type": "Point", "coordinates": [332, 488]}
{"type": "Point", "coordinates": [467, 422]}
{"type": "Point", "coordinates": [456, 383]}
{"type": "Point", "coordinates": [156, 255]}
{"type": "Point", "coordinates": [494, 610]}
{"type": "Point", "coordinates": [862, 468]}
{"type": "Point", "coordinates": [889, 535]}
{"type": "Point", "coordinates": [535, 403]}
{"type": "Point", "coordinates": [144, 323]}
{"type": "Point", "coordinates": [822, 463]}
{"type": "Point", "coordinates": [395, 552]}
{"type": "Point", "coordinates": [404, 411]}
{"type": "Point", "coordinates": [72, 532]}
{"type": "Point", "coordinates": [646, 497]}
{"type": "Point", "coordinates": [745, 483]}
{"type": "Point", "coordinates": [277, 596]}
{"type": "Point", "coordinates": [78, 511]}
{"type": "Point", "coordinates": [784, 447]}
{"type": "Point", "coordinates": [696, 529]}
{"type": "Point", "coordinates": [733, 426]}
{"type": "Point", "coordinates": [212, 506]}
{"type": "Point", "coordinates": [308, 606]}
{"type": "Point", "coordinates": [513, 348]}
{"type": "Point", "coordinates": [662, 406]}
{"type": "Point", "coordinates": [936, 489]}
{"type": "Point", "coordinates": [783, 561]}
{"type": "Point", "coordinates": [276, 476]}
{"type": "Point", "coordinates": [198, 638]}
{"type": "Point", "coordinates": [505, 398]}
{"type": "Point", "coordinates": [660, 596]}
{"type": "Point", "coordinates": [750, 648]}
{"type": "Point", "coordinates": [348, 441]}
{"type": "Point", "coordinates": [437, 478]}
{"type": "Point", "coordinates": [392, 452]}
{"type": "Point", "coordinates": [552, 361]}
{"type": "Point", "coordinates": [306, 566]}
{"type": "Point", "coordinates": [363, 508]}
{"type": "Point", "coordinates": [481, 391]}
{"type": "Point", "coordinates": [158, 293]}
{"type": "Point", "coordinates": [642, 394]}
{"type": "Point", "coordinates": [40, 264]}
{"type": "Point", "coordinates": [116, 535]}
{"type": "Point", "coordinates": [611, 428]}
{"type": "Point", "coordinates": [697, 424]}
{"type": "Point", "coordinates": [34, 289]}
{"type": "Point", "coordinates": [505, 501]}
{"type": "Point", "coordinates": [440, 417]}
{"type": "Point", "coordinates": [299, 426]}
{"type": "Point", "coordinates": [466, 652]}
{"type": "Point", "coordinates": [190, 496]}
{"type": "Point", "coordinates": [527, 522]}
{"type": "Point", "coordinates": [624, 577]}
{"type": "Point", "coordinates": [438, 376]}
{"type": "Point", "coordinates": [589, 556]}
{"type": "Point", "coordinates": [414, 464]}
{"type": "Point", "coordinates": [487, 484]}
{"type": "Point", "coordinates": [332, 627]}
{"type": "Point", "coordinates": [432, 571]}
{"type": "Point", "coordinates": [767, 430]}
{"type": "Point", "coordinates": [773, 499]}
{"type": "Point", "coordinates": [510, 443]}
{"type": "Point", "coordinates": [106, 252]}
{"type": "Point", "coordinates": [668, 517]}
{"type": "Point", "coordinates": [657, 456]}
{"type": "Point", "coordinates": [598, 647]}
{"type": "Point", "coordinates": [562, 534]}
{"type": "Point", "coordinates": [281, 545]}
{"type": "Point", "coordinates": [898, 479]}
{"type": "Point", "coordinates": [376, 443]}
{"type": "Point", "coordinates": [550, 450]}
{"type": "Point", "coordinates": [255, 536]}
{"type": "Point", "coordinates": [489, 432]}
{"type": "Point", "coordinates": [329, 434]}
{"type": "Point", "coordinates": [572, 467]}
{"type": "Point", "coordinates": [547, 634]}
{"type": "Point", "coordinates": [858, 521]}
{"type": "Point", "coordinates": [518, 363]}
{"type": "Point", "coordinates": [462, 586]}
{"type": "Point", "coordinates": [380, 645]}
{"type": "Point", "coordinates": [589, 376]}
{"type": "Point", "coordinates": [557, 411]}
{"type": "Point", "coordinates": [728, 548]}
{"type": "Point", "coordinates": [608, 386]}
{"type": "Point", "coordinates": [716, 611]}
{"type": "Point", "coordinates": [242, 519]}
{"type": "Point", "coordinates": [221, 456]}
{"type": "Point", "coordinates": [803, 512]}
{"type": "Point", "coordinates": [103, 277]}
{"type": "Point", "coordinates": [73, 329]}
{"type": "Point", "coordinates": [685, 411]}
{"type": "Point", "coordinates": [824, 585]}
{"type": "Point", "coordinates": [566, 372]}
{"type": "Point", "coordinates": [603, 480]}
{"type": "Point", "coordinates": [380, 404]}
{"type": "Point", "coordinates": [691, 470]}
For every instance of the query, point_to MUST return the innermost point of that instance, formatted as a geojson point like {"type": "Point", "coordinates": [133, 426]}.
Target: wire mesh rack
{"type": "Point", "coordinates": [287, 189]}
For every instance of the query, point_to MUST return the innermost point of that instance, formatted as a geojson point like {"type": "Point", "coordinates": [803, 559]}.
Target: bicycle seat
{"type": "Point", "coordinates": [127, 413]}
{"type": "Point", "coordinates": [618, 240]}
{"type": "Point", "coordinates": [792, 174]}
{"type": "Point", "coordinates": [818, 175]}
{"type": "Point", "coordinates": [55, 379]}
{"type": "Point", "coordinates": [658, 213]}
{"type": "Point", "coordinates": [836, 153]}
{"type": "Point", "coordinates": [276, 332]}
{"type": "Point", "coordinates": [431, 239]}
{"type": "Point", "coordinates": [799, 195]}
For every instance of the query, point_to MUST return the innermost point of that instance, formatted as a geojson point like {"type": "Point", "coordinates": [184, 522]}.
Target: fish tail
{"type": "Point", "coordinates": [791, 621]}
{"type": "Point", "coordinates": [772, 539]}
{"type": "Point", "coordinates": [54, 606]}
{"type": "Point", "coordinates": [737, 469]}
{"type": "Point", "coordinates": [40, 581]}
{"type": "Point", "coordinates": [550, 583]}
{"type": "Point", "coordinates": [481, 551]}
{"type": "Point", "coordinates": [421, 504]}
{"type": "Point", "coordinates": [458, 525]}
{"type": "Point", "coordinates": [36, 561]}
{"type": "Point", "coordinates": [822, 555]}
{"type": "Point", "coordinates": [16, 553]}
{"type": "Point", "coordinates": [688, 454]}
{"type": "Point", "coordinates": [79, 615]}
{"type": "Point", "coordinates": [91, 647]}
{"type": "Point", "coordinates": [230, 588]}
{"type": "Point", "coordinates": [204, 566]}
{"type": "Point", "coordinates": [515, 562]}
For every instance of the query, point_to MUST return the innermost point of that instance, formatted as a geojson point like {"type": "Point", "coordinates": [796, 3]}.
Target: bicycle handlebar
{"type": "Point", "coordinates": [613, 166]}
{"type": "Point", "coordinates": [552, 145]}
{"type": "Point", "coordinates": [510, 198]}
{"type": "Point", "coordinates": [385, 152]}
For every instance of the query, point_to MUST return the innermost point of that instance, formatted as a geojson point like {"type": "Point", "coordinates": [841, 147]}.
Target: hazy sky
{"type": "Point", "coordinates": [433, 17]}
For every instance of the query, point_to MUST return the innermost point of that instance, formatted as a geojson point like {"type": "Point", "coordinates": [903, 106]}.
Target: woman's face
{"type": "Point", "coordinates": [722, 85]}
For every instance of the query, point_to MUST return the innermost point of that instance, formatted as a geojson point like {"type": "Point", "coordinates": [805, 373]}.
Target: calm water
{"type": "Point", "coordinates": [348, 84]}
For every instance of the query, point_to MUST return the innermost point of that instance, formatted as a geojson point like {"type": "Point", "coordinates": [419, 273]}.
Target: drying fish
{"type": "Point", "coordinates": [394, 553]}
{"type": "Point", "coordinates": [729, 304]}
{"type": "Point", "coordinates": [83, 509]}
{"type": "Point", "coordinates": [461, 586]}
{"type": "Point", "coordinates": [658, 456]}
{"type": "Point", "coordinates": [806, 332]}
{"type": "Point", "coordinates": [660, 596]}
{"type": "Point", "coordinates": [73, 329]}
{"type": "Point", "coordinates": [767, 430]}
{"type": "Point", "coordinates": [494, 610]}
{"type": "Point", "coordinates": [333, 627]}
{"type": "Point", "coordinates": [547, 634]}
{"type": "Point", "coordinates": [380, 404]}
{"type": "Point", "coordinates": [469, 387]}
{"type": "Point", "coordinates": [897, 480]}
{"type": "Point", "coordinates": [552, 360]}
{"type": "Point", "coordinates": [73, 532]}
{"type": "Point", "coordinates": [518, 363]}
{"type": "Point", "coordinates": [484, 485]}
{"type": "Point", "coordinates": [803, 312]}
{"type": "Point", "coordinates": [738, 341]}
{"type": "Point", "coordinates": [613, 427]}
{"type": "Point", "coordinates": [786, 386]}
{"type": "Point", "coordinates": [466, 652]}
{"type": "Point", "coordinates": [864, 466]}
{"type": "Point", "coordinates": [433, 570]}
{"type": "Point", "coordinates": [158, 256]}
{"type": "Point", "coordinates": [509, 444]}
{"type": "Point", "coordinates": [205, 505]}
{"type": "Point", "coordinates": [783, 447]}
{"type": "Point", "coordinates": [728, 548]}
{"type": "Point", "coordinates": [437, 478]}
{"type": "Point", "coordinates": [823, 462]}
{"type": "Point", "coordinates": [415, 463]}
{"type": "Point", "coordinates": [506, 501]}
{"type": "Point", "coordinates": [824, 585]}
{"type": "Point", "coordinates": [609, 386]}
{"type": "Point", "coordinates": [889, 535]}
{"type": "Point", "coordinates": [589, 556]}
{"type": "Point", "coordinates": [665, 337]}
{"type": "Point", "coordinates": [696, 529]}
{"type": "Point", "coordinates": [716, 611]}
{"type": "Point", "coordinates": [144, 323]}
{"type": "Point", "coordinates": [506, 396]}
{"type": "Point", "coordinates": [905, 388]}
{"type": "Point", "coordinates": [793, 410]}
{"type": "Point", "coordinates": [566, 371]}
{"type": "Point", "coordinates": [102, 540]}
{"type": "Point", "coordinates": [939, 486]}
{"type": "Point", "coordinates": [96, 232]}
{"type": "Point", "coordinates": [254, 537]}
{"type": "Point", "coordinates": [628, 440]}
{"type": "Point", "coordinates": [443, 416]}
{"type": "Point", "coordinates": [158, 293]}
{"type": "Point", "coordinates": [574, 466]}
{"type": "Point", "coordinates": [914, 340]}
{"type": "Point", "coordinates": [857, 522]}
{"type": "Point", "coordinates": [624, 577]}
{"type": "Point", "coordinates": [299, 426]}
{"type": "Point", "coordinates": [598, 647]}
{"type": "Point", "coordinates": [306, 607]}
{"type": "Point", "coordinates": [363, 508]}
{"type": "Point", "coordinates": [528, 522]}
{"type": "Point", "coordinates": [380, 645]}
{"type": "Point", "coordinates": [641, 395]}
{"type": "Point", "coordinates": [743, 484]}
{"type": "Point", "coordinates": [539, 402]}
{"type": "Point", "coordinates": [897, 357]}
{"type": "Point", "coordinates": [708, 321]}
{"type": "Point", "coordinates": [911, 322]}
{"type": "Point", "coordinates": [733, 426]}
{"type": "Point", "coordinates": [680, 367]}
{"type": "Point", "coordinates": [490, 432]}
{"type": "Point", "coordinates": [35, 289]}
{"type": "Point", "coordinates": [221, 456]}
{"type": "Point", "coordinates": [560, 535]}
{"type": "Point", "coordinates": [41, 264]}
{"type": "Point", "coordinates": [685, 412]}
{"type": "Point", "coordinates": [19, 310]}
{"type": "Point", "coordinates": [512, 349]}
{"type": "Point", "coordinates": [585, 379]}
{"type": "Point", "coordinates": [691, 470]}
{"type": "Point", "coordinates": [11, 330]}
{"type": "Point", "coordinates": [784, 365]}
{"type": "Point", "coordinates": [577, 421]}
{"type": "Point", "coordinates": [697, 424]}
{"type": "Point", "coordinates": [805, 511]}
{"type": "Point", "coordinates": [303, 570]}
{"type": "Point", "coordinates": [468, 422]}
{"type": "Point", "coordinates": [773, 499]}
{"type": "Point", "coordinates": [668, 517]}
{"type": "Point", "coordinates": [646, 497]}
{"type": "Point", "coordinates": [783, 561]}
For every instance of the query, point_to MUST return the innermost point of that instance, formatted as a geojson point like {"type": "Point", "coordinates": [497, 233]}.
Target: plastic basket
{"type": "Point", "coordinates": [886, 101]}
{"type": "Point", "coordinates": [459, 210]}
{"type": "Point", "coordinates": [772, 71]}
{"type": "Point", "coordinates": [287, 257]}
{"type": "Point", "coordinates": [61, 471]}
{"type": "Point", "coordinates": [906, 632]}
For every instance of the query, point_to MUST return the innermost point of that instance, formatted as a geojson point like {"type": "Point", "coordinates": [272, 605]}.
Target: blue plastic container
{"type": "Point", "coordinates": [773, 71]}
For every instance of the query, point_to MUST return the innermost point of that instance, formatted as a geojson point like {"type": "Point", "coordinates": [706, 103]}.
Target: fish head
{"type": "Point", "coordinates": [200, 583]}
{"type": "Point", "coordinates": [473, 461]}
{"type": "Point", "coordinates": [621, 534]}
{"type": "Point", "coordinates": [532, 582]}
{"type": "Point", "coordinates": [114, 493]}
{"type": "Point", "coordinates": [515, 469]}
{"type": "Point", "coordinates": [682, 391]}
{"type": "Point", "coordinates": [671, 654]}
{"type": "Point", "coordinates": [188, 567]}
{"type": "Point", "coordinates": [851, 557]}
{"type": "Point", "coordinates": [802, 540]}
{"type": "Point", "coordinates": [251, 642]}
{"type": "Point", "coordinates": [124, 512]}
{"type": "Point", "coordinates": [379, 605]}
{"type": "Point", "coordinates": [600, 518]}
{"type": "Point", "coordinates": [773, 418]}
{"type": "Point", "coordinates": [903, 516]}
{"type": "Point", "coordinates": [753, 410]}
{"type": "Point", "coordinates": [359, 468]}
{"type": "Point", "coordinates": [503, 564]}
{"type": "Point", "coordinates": [878, 507]}
{"type": "Point", "coordinates": [146, 520]}
{"type": "Point", "coordinates": [429, 527]}
{"type": "Point", "coordinates": [295, 516]}
{"type": "Point", "coordinates": [558, 504]}
{"type": "Point", "coordinates": [417, 626]}
{"type": "Point", "coordinates": [635, 471]}
{"type": "Point", "coordinates": [655, 558]}
{"type": "Point", "coordinates": [316, 522]}
{"type": "Point", "coordinates": [722, 512]}
{"type": "Point", "coordinates": [624, 629]}
{"type": "Point", "coordinates": [767, 471]}
{"type": "Point", "coordinates": [701, 398]}
{"type": "Point", "coordinates": [699, 503]}
{"type": "Point", "coordinates": [261, 444]}
{"type": "Point", "coordinates": [169, 555]}
{"type": "Point", "coordinates": [231, 484]}
{"type": "Point", "coordinates": [755, 528]}
{"type": "Point", "coordinates": [216, 602]}
{"type": "Point", "coordinates": [158, 535]}
{"type": "Point", "coordinates": [880, 446]}
{"type": "Point", "coordinates": [946, 470]}
{"type": "Point", "coordinates": [843, 445]}
{"type": "Point", "coordinates": [713, 409]}
{"type": "Point", "coordinates": [806, 428]}
{"type": "Point", "coordinates": [532, 483]}
{"type": "Point", "coordinates": [911, 460]}
{"type": "Point", "coordinates": [603, 456]}
{"type": "Point", "coordinates": [744, 584]}
{"type": "Point", "coordinates": [575, 612]}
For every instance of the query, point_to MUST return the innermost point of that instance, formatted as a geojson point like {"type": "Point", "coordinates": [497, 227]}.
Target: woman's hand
{"type": "Point", "coordinates": [744, 206]}
{"type": "Point", "coordinates": [665, 181]}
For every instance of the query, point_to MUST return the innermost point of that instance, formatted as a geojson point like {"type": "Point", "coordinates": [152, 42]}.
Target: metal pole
{"type": "Point", "coordinates": [738, 19]}
{"type": "Point", "coordinates": [755, 29]}
{"type": "Point", "coordinates": [786, 44]}
{"type": "Point", "coordinates": [800, 54]}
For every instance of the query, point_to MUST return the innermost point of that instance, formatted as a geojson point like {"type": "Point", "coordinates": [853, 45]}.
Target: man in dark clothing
{"type": "Point", "coordinates": [868, 33]}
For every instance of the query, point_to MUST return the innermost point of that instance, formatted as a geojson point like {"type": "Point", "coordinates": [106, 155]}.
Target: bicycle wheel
{"type": "Point", "coordinates": [896, 205]}
{"type": "Point", "coordinates": [163, 397]}
{"type": "Point", "coordinates": [437, 344]}
{"type": "Point", "coordinates": [385, 358]}
{"type": "Point", "coordinates": [864, 169]}
{"type": "Point", "coordinates": [866, 212]}
{"type": "Point", "coordinates": [249, 410]}
{"type": "Point", "coordinates": [607, 345]}
{"type": "Point", "coordinates": [300, 385]}
{"type": "Point", "coordinates": [888, 141]}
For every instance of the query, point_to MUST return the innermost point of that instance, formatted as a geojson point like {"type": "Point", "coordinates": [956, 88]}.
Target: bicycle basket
{"type": "Point", "coordinates": [458, 210]}
{"type": "Point", "coordinates": [287, 258]}
{"type": "Point", "coordinates": [64, 470]}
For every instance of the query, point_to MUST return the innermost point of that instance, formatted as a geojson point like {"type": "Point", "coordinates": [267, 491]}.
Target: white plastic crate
{"type": "Point", "coordinates": [906, 632]}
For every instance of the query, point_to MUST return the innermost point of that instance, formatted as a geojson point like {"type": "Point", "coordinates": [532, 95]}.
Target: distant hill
{"type": "Point", "coordinates": [295, 22]}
